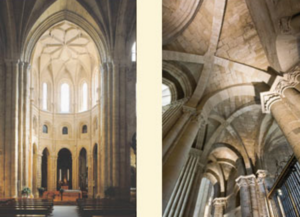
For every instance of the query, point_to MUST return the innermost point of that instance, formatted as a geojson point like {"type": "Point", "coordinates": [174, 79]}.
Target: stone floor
{"type": "Point", "coordinates": [65, 211]}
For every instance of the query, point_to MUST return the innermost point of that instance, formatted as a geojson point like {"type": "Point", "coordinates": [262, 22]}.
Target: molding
{"type": "Point", "coordinates": [245, 181]}
{"type": "Point", "coordinates": [221, 201]}
{"type": "Point", "coordinates": [195, 152]}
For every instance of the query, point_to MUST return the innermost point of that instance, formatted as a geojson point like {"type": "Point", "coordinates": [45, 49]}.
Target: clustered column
{"type": "Point", "coordinates": [171, 115]}
{"type": "Point", "coordinates": [219, 206]}
{"type": "Point", "coordinates": [244, 196]}
{"type": "Point", "coordinates": [253, 195]}
{"type": "Point", "coordinates": [261, 175]}
{"type": "Point", "coordinates": [179, 197]}
{"type": "Point", "coordinates": [176, 160]}
{"type": "Point", "coordinates": [174, 132]}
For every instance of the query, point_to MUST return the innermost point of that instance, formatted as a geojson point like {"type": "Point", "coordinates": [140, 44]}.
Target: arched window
{"type": "Point", "coordinates": [84, 129]}
{"type": "Point", "coordinates": [45, 96]}
{"type": "Point", "coordinates": [65, 130]}
{"type": "Point", "coordinates": [65, 97]}
{"type": "Point", "coordinates": [84, 97]}
{"type": "Point", "coordinates": [133, 52]}
{"type": "Point", "coordinates": [45, 129]}
{"type": "Point", "coordinates": [166, 95]}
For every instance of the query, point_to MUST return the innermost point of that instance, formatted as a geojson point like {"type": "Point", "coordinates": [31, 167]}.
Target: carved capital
{"type": "Point", "coordinates": [267, 99]}
{"type": "Point", "coordinates": [189, 110]}
{"type": "Point", "coordinates": [285, 25]}
{"type": "Point", "coordinates": [262, 173]}
{"type": "Point", "coordinates": [280, 84]}
{"type": "Point", "coordinates": [252, 181]}
{"type": "Point", "coordinates": [221, 201]}
{"type": "Point", "coordinates": [195, 152]}
{"type": "Point", "coordinates": [245, 181]}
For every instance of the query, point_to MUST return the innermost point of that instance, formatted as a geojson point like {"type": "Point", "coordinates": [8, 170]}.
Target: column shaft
{"type": "Point", "coordinates": [177, 159]}
{"type": "Point", "coordinates": [219, 205]}
{"type": "Point", "coordinates": [289, 124]}
{"type": "Point", "coordinates": [293, 98]}
{"type": "Point", "coordinates": [262, 195]}
{"type": "Point", "coordinates": [39, 171]}
{"type": "Point", "coordinates": [90, 175]}
{"type": "Point", "coordinates": [177, 202]}
{"type": "Point", "coordinates": [173, 133]}
{"type": "Point", "coordinates": [11, 129]}
{"type": "Point", "coordinates": [254, 202]}
{"type": "Point", "coordinates": [244, 196]}
{"type": "Point", "coordinates": [218, 211]}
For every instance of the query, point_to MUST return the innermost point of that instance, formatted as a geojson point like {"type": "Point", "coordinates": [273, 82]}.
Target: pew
{"type": "Point", "coordinates": [26, 208]}
{"type": "Point", "coordinates": [104, 207]}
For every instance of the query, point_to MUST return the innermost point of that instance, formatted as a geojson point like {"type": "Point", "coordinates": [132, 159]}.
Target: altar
{"type": "Point", "coordinates": [67, 195]}
{"type": "Point", "coordinates": [70, 195]}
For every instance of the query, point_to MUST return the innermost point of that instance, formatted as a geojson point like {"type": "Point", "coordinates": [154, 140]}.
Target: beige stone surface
{"type": "Point", "coordinates": [247, 98]}
{"type": "Point", "coordinates": [57, 42]}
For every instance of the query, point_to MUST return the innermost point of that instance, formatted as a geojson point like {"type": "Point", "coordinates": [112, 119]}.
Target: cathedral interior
{"type": "Point", "coordinates": [67, 106]}
{"type": "Point", "coordinates": [231, 108]}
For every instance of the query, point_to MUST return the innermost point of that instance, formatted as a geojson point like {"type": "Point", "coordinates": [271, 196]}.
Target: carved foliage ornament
{"type": "Point", "coordinates": [281, 83]}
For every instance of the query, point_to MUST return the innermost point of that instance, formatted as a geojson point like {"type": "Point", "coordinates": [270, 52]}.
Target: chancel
{"type": "Point", "coordinates": [231, 108]}
{"type": "Point", "coordinates": [67, 107]}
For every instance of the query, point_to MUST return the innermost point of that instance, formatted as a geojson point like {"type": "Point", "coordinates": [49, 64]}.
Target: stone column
{"type": "Point", "coordinates": [75, 175]}
{"type": "Point", "coordinates": [26, 122]}
{"type": "Point", "coordinates": [263, 200]}
{"type": "Point", "coordinates": [293, 97]}
{"type": "Point", "coordinates": [21, 148]}
{"type": "Point", "coordinates": [174, 132]}
{"type": "Point", "coordinates": [120, 148]}
{"type": "Point", "coordinates": [52, 173]}
{"type": "Point", "coordinates": [102, 164]}
{"type": "Point", "coordinates": [219, 205]}
{"type": "Point", "coordinates": [2, 129]}
{"type": "Point", "coordinates": [254, 196]}
{"type": "Point", "coordinates": [90, 175]}
{"type": "Point", "coordinates": [176, 204]}
{"type": "Point", "coordinates": [244, 196]}
{"type": "Point", "coordinates": [289, 124]}
{"type": "Point", "coordinates": [11, 128]}
{"type": "Point", "coordinates": [38, 175]}
{"type": "Point", "coordinates": [178, 157]}
{"type": "Point", "coordinates": [171, 116]}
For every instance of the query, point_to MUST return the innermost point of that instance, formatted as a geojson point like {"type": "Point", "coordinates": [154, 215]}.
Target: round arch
{"type": "Point", "coordinates": [64, 169]}
{"type": "Point", "coordinates": [35, 34]}
{"type": "Point", "coordinates": [83, 170]}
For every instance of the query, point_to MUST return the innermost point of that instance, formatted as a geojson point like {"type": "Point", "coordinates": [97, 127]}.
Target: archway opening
{"type": "Point", "coordinates": [95, 170]}
{"type": "Point", "coordinates": [45, 166]}
{"type": "Point", "coordinates": [83, 170]}
{"type": "Point", "coordinates": [64, 169]}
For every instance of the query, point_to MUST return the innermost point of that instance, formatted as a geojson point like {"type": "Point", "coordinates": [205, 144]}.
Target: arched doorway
{"type": "Point", "coordinates": [95, 169]}
{"type": "Point", "coordinates": [34, 170]}
{"type": "Point", "coordinates": [64, 169]}
{"type": "Point", "coordinates": [45, 167]}
{"type": "Point", "coordinates": [83, 170]}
